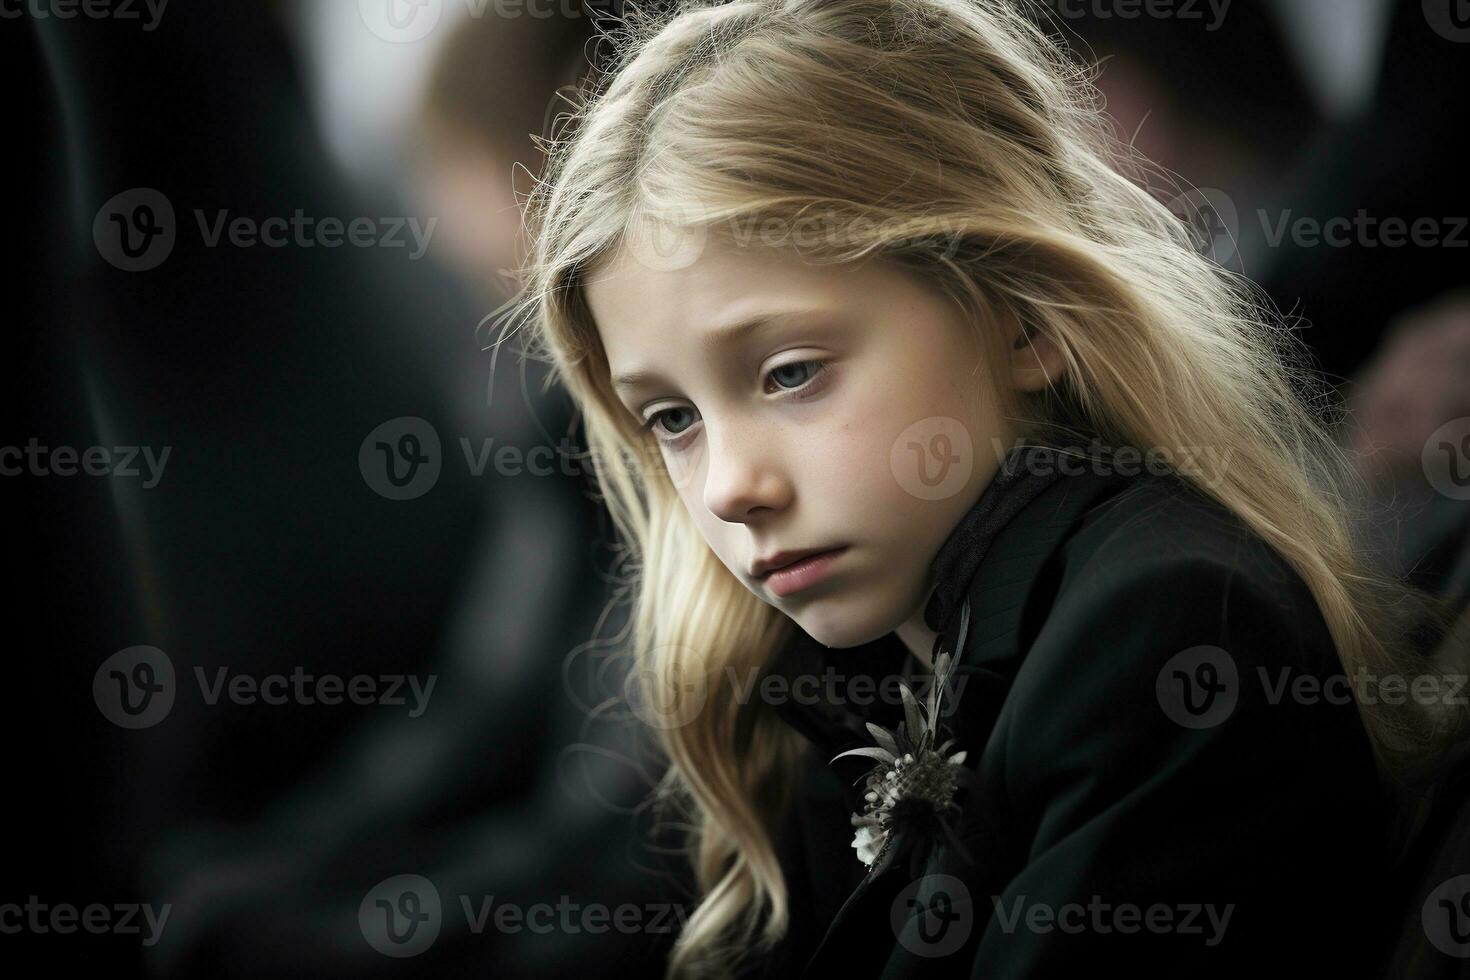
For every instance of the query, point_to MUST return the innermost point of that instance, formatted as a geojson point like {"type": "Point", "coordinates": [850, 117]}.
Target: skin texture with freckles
{"type": "Point", "coordinates": [773, 452]}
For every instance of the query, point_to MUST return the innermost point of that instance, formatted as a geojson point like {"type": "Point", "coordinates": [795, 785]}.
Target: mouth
{"type": "Point", "coordinates": [790, 573]}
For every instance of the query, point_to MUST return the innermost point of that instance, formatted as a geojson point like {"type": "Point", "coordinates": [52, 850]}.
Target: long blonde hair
{"type": "Point", "coordinates": [958, 138]}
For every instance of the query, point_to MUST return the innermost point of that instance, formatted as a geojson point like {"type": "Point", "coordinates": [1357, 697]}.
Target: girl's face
{"type": "Point", "coordinates": [802, 407]}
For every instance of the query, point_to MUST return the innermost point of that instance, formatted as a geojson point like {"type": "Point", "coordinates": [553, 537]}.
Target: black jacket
{"type": "Point", "coordinates": [1134, 763]}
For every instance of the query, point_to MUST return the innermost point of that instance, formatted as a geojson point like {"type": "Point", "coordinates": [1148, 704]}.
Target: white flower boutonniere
{"type": "Point", "coordinates": [913, 782]}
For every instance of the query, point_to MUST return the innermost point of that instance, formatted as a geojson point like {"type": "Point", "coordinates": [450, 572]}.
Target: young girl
{"type": "Point", "coordinates": [892, 366]}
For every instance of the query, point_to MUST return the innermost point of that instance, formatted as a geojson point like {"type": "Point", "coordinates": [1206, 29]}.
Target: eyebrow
{"type": "Point", "coordinates": [726, 335]}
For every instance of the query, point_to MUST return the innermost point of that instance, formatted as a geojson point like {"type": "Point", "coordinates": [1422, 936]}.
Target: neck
{"type": "Point", "coordinates": [918, 637]}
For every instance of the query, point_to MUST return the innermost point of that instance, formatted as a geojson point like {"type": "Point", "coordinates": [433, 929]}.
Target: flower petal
{"type": "Point", "coordinates": [883, 738]}
{"type": "Point", "coordinates": [872, 752]}
{"type": "Point", "coordinates": [912, 718]}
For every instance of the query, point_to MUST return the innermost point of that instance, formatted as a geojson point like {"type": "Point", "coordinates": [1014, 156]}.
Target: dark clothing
{"type": "Point", "coordinates": [1141, 793]}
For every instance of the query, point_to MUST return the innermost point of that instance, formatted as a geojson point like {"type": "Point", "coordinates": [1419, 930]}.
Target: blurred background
{"type": "Point", "coordinates": [316, 612]}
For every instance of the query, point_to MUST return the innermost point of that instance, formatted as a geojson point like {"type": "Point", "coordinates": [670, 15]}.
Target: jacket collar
{"type": "Point", "coordinates": [990, 567]}
{"type": "Point", "coordinates": [1014, 486]}
{"type": "Point", "coordinates": [876, 666]}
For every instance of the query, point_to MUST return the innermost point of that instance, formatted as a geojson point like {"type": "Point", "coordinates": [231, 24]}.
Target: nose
{"type": "Point", "coordinates": [744, 475]}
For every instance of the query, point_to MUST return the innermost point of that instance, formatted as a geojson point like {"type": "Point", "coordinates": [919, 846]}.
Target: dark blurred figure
{"type": "Point", "coordinates": [1300, 112]}
{"type": "Point", "coordinates": [471, 148]}
{"type": "Point", "coordinates": [285, 381]}
{"type": "Point", "coordinates": [1410, 412]}
{"type": "Point", "coordinates": [1278, 118]}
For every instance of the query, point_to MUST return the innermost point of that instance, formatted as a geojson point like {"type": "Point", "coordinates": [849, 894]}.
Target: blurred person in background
{"type": "Point", "coordinates": [1280, 117]}
{"type": "Point", "coordinates": [489, 95]}
{"type": "Point", "coordinates": [535, 770]}
{"type": "Point", "coordinates": [271, 548]}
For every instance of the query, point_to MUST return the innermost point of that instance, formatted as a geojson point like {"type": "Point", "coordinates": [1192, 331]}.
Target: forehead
{"type": "Point", "coordinates": [641, 305]}
{"type": "Point", "coordinates": [626, 288]}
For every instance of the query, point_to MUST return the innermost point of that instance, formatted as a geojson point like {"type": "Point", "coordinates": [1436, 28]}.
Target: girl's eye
{"type": "Point", "coordinates": [792, 376]}
{"type": "Point", "coordinates": [671, 423]}
{"type": "Point", "coordinates": [661, 420]}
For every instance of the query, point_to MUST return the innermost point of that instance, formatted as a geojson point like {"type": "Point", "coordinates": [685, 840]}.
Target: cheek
{"type": "Point", "coordinates": [845, 464]}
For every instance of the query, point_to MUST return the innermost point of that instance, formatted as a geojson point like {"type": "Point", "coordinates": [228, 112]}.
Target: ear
{"type": "Point", "coordinates": [1035, 358]}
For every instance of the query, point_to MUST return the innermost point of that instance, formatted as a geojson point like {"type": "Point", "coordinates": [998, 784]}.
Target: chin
{"type": "Point", "coordinates": [830, 625]}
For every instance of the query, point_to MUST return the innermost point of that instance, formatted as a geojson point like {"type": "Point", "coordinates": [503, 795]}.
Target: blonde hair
{"type": "Point", "coordinates": [956, 138]}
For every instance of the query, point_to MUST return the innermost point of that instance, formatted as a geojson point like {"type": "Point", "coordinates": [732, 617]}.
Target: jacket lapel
{"type": "Point", "coordinates": [990, 630]}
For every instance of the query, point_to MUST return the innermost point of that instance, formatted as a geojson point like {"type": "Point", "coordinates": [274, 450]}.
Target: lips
{"type": "Point", "coordinates": [782, 559]}
{"type": "Point", "coordinates": [803, 573]}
